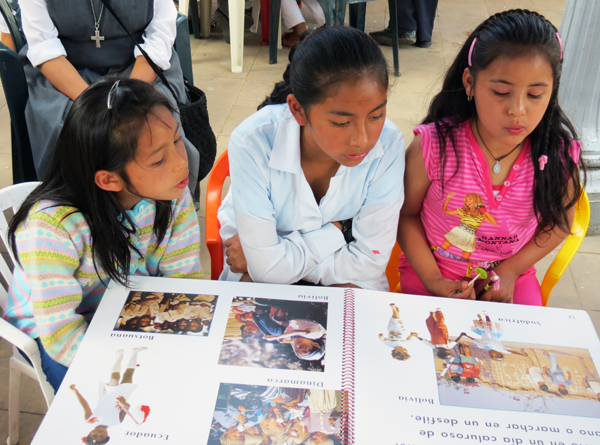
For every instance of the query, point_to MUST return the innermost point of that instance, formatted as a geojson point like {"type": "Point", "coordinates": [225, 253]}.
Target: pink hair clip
{"type": "Point", "coordinates": [560, 44]}
{"type": "Point", "coordinates": [543, 160]}
{"type": "Point", "coordinates": [473, 46]}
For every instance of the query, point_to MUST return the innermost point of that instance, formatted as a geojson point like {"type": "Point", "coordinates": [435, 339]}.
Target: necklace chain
{"type": "Point", "coordinates": [97, 20]}
{"type": "Point", "coordinates": [497, 166]}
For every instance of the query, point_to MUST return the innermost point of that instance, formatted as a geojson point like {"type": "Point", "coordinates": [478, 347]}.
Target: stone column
{"type": "Point", "coordinates": [579, 92]}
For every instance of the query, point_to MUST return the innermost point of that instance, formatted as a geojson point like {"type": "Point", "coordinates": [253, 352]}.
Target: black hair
{"type": "Point", "coordinates": [325, 58]}
{"type": "Point", "coordinates": [95, 138]}
{"type": "Point", "coordinates": [516, 33]}
{"type": "Point", "coordinates": [89, 441]}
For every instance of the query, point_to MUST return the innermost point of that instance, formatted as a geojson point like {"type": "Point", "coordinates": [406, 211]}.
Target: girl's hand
{"type": "Point", "coordinates": [443, 287]}
{"type": "Point", "coordinates": [450, 196]}
{"type": "Point", "coordinates": [507, 287]}
{"type": "Point", "coordinates": [235, 255]}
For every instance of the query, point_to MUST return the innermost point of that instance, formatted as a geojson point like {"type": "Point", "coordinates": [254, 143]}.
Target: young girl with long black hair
{"type": "Point", "coordinates": [496, 147]}
{"type": "Point", "coordinates": [316, 173]}
{"type": "Point", "coordinates": [115, 203]}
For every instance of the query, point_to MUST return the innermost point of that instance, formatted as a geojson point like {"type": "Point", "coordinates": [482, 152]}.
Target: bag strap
{"type": "Point", "coordinates": [153, 65]}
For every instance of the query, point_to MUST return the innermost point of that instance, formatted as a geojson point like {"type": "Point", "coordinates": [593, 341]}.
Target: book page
{"type": "Point", "coordinates": [197, 361]}
{"type": "Point", "coordinates": [444, 371]}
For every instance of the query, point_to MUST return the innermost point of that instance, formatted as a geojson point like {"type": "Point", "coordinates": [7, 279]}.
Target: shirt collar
{"type": "Point", "coordinates": [286, 145]}
{"type": "Point", "coordinates": [285, 155]}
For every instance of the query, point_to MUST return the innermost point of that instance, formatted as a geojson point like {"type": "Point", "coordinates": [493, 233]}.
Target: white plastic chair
{"type": "Point", "coordinates": [12, 197]}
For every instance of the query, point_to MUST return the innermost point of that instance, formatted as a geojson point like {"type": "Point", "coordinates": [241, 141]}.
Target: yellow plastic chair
{"type": "Point", "coordinates": [569, 248]}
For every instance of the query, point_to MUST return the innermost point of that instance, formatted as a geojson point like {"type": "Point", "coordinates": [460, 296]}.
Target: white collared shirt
{"type": "Point", "coordinates": [286, 235]}
{"type": "Point", "coordinates": [44, 44]}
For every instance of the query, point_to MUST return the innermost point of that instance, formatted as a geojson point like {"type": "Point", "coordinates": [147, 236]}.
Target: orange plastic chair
{"type": "Point", "coordinates": [391, 271]}
{"type": "Point", "coordinates": [214, 190]}
{"type": "Point", "coordinates": [569, 248]}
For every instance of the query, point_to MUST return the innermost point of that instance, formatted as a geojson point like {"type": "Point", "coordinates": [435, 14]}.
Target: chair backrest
{"type": "Point", "coordinates": [15, 91]}
{"type": "Point", "coordinates": [11, 197]}
{"type": "Point", "coordinates": [183, 48]}
{"type": "Point", "coordinates": [214, 191]}
{"type": "Point", "coordinates": [581, 221]}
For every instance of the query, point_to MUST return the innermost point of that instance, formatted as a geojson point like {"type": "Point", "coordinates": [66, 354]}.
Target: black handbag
{"type": "Point", "coordinates": [194, 115]}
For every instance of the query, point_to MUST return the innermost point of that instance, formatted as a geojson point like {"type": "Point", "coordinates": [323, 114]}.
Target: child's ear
{"type": "Point", "coordinates": [468, 82]}
{"type": "Point", "coordinates": [297, 110]}
{"type": "Point", "coordinates": [109, 181]}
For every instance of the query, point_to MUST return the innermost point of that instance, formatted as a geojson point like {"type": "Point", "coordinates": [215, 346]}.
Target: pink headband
{"type": "Point", "coordinates": [560, 44]}
{"type": "Point", "coordinates": [475, 40]}
{"type": "Point", "coordinates": [471, 50]}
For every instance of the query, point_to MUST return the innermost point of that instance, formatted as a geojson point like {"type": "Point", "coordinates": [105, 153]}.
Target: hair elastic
{"type": "Point", "coordinates": [471, 50]}
{"type": "Point", "coordinates": [542, 161]}
{"type": "Point", "coordinates": [560, 44]}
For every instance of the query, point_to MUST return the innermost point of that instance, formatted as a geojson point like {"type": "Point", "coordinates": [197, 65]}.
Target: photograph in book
{"type": "Point", "coordinates": [476, 369]}
{"type": "Point", "coordinates": [167, 313]}
{"type": "Point", "coordinates": [114, 404]}
{"type": "Point", "coordinates": [252, 414]}
{"type": "Point", "coordinates": [276, 334]}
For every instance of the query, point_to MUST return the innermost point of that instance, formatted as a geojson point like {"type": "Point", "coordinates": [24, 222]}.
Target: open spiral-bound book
{"type": "Point", "coordinates": [208, 362]}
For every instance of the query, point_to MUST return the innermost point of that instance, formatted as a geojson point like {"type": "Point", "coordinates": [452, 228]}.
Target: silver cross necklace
{"type": "Point", "coordinates": [97, 37]}
{"type": "Point", "coordinates": [497, 167]}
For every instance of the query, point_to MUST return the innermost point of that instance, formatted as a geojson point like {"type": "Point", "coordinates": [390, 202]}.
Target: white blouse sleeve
{"type": "Point", "coordinates": [271, 258]}
{"type": "Point", "coordinates": [40, 32]}
{"type": "Point", "coordinates": [3, 25]}
{"type": "Point", "coordinates": [374, 227]}
{"type": "Point", "coordinates": [160, 34]}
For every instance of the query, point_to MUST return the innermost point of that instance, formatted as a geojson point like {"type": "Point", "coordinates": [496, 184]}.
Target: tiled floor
{"type": "Point", "coordinates": [233, 97]}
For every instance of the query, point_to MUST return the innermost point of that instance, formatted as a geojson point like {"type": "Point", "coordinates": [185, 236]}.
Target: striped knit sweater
{"type": "Point", "coordinates": [56, 290]}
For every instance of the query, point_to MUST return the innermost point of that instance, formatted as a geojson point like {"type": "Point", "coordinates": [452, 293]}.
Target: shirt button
{"type": "Point", "coordinates": [506, 183]}
{"type": "Point", "coordinates": [516, 167]}
{"type": "Point", "coordinates": [499, 198]}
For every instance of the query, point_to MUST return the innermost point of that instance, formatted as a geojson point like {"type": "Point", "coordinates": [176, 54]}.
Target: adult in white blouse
{"type": "Point", "coordinates": [316, 173]}
{"type": "Point", "coordinates": [72, 43]}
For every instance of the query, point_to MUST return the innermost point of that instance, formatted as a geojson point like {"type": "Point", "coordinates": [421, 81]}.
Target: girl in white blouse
{"type": "Point", "coordinates": [316, 173]}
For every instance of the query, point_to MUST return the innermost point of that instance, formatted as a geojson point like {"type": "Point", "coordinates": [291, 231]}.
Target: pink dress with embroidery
{"type": "Point", "coordinates": [468, 232]}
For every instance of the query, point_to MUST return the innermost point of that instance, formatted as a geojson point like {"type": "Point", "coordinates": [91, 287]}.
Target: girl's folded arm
{"type": "Point", "coordinates": [55, 292]}
{"type": "Point", "coordinates": [411, 235]}
{"type": "Point", "coordinates": [181, 256]}
{"type": "Point", "coordinates": [374, 226]}
{"type": "Point", "coordinates": [271, 258]}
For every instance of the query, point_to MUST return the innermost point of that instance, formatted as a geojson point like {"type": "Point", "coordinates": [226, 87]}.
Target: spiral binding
{"type": "Point", "coordinates": [347, 430]}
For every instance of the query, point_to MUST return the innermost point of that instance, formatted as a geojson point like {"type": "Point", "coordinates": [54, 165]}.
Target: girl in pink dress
{"type": "Point", "coordinates": [492, 176]}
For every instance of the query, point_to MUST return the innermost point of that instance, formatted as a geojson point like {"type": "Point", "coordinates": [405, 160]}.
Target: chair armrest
{"type": "Point", "coordinates": [18, 338]}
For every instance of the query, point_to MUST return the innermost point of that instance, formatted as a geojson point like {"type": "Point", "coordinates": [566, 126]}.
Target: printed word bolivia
{"type": "Point", "coordinates": [415, 400]}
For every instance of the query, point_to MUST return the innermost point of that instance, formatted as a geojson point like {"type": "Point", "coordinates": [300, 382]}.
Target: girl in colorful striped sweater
{"type": "Point", "coordinates": [492, 175]}
{"type": "Point", "coordinates": [114, 203]}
